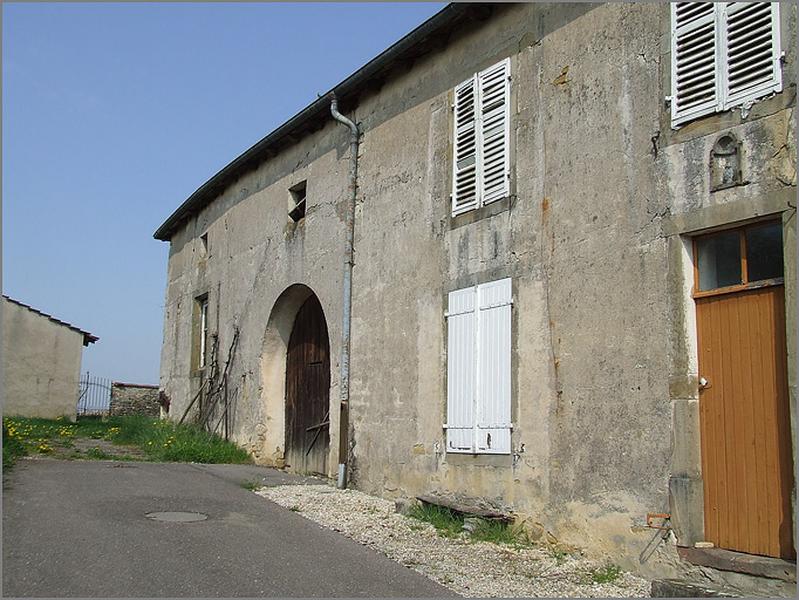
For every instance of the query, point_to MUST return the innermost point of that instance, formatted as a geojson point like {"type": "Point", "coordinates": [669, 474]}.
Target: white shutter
{"type": "Point", "coordinates": [751, 51]}
{"type": "Point", "coordinates": [461, 369]}
{"type": "Point", "coordinates": [494, 373]}
{"type": "Point", "coordinates": [695, 86]}
{"type": "Point", "coordinates": [494, 102]}
{"type": "Point", "coordinates": [464, 169]}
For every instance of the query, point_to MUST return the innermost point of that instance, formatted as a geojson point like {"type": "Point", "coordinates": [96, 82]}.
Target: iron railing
{"type": "Point", "coordinates": [94, 397]}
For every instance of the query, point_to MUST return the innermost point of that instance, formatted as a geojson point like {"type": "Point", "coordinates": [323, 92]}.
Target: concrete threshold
{"type": "Point", "coordinates": [739, 562]}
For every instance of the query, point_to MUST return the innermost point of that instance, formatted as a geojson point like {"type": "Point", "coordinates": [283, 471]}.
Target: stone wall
{"type": "Point", "coordinates": [134, 399]}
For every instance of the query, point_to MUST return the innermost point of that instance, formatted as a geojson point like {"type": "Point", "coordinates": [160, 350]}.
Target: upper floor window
{"type": "Point", "coordinates": [480, 170]}
{"type": "Point", "coordinates": [200, 350]}
{"type": "Point", "coordinates": [723, 55]}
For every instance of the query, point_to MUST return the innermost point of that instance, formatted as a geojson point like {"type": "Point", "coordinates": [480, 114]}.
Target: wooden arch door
{"type": "Point", "coordinates": [308, 391]}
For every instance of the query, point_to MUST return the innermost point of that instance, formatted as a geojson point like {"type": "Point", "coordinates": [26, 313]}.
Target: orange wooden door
{"type": "Point", "coordinates": [745, 422]}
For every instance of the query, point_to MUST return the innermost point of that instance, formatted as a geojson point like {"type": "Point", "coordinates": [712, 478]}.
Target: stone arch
{"type": "Point", "coordinates": [273, 369]}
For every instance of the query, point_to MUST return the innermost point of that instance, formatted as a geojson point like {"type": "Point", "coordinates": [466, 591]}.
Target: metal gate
{"type": "Point", "coordinates": [94, 397]}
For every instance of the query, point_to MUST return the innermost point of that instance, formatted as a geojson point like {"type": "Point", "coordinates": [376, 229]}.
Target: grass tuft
{"type": "Point", "coordinates": [498, 532]}
{"type": "Point", "coordinates": [13, 448]}
{"type": "Point", "coordinates": [606, 574]}
{"type": "Point", "coordinates": [252, 485]}
{"type": "Point", "coordinates": [97, 454]}
{"type": "Point", "coordinates": [447, 522]}
{"type": "Point", "coordinates": [559, 554]}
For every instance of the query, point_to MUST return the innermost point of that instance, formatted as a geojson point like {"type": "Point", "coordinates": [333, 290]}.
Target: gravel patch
{"type": "Point", "coordinates": [473, 569]}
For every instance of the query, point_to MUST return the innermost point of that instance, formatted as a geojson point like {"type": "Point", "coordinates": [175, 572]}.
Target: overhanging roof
{"type": "Point", "coordinates": [88, 338]}
{"type": "Point", "coordinates": [428, 36]}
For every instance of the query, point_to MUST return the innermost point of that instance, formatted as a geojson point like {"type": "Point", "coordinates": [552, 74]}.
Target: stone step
{"type": "Point", "coordinates": [680, 588]}
{"type": "Point", "coordinates": [465, 507]}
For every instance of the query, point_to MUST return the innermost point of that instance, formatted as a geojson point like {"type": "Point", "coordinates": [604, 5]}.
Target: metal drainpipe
{"type": "Point", "coordinates": [344, 377]}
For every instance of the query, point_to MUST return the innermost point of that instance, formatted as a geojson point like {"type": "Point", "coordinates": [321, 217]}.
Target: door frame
{"type": "Point", "coordinates": [726, 292]}
{"type": "Point", "coordinates": [269, 431]}
{"type": "Point", "coordinates": [685, 482]}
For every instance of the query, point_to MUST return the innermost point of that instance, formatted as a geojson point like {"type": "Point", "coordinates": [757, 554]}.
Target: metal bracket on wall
{"type": "Point", "coordinates": [658, 521]}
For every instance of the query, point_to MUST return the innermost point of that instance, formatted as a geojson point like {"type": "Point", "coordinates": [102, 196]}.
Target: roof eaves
{"type": "Point", "coordinates": [352, 84]}
{"type": "Point", "coordinates": [88, 338]}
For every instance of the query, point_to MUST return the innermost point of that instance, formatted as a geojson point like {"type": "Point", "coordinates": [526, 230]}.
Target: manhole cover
{"type": "Point", "coordinates": [177, 517]}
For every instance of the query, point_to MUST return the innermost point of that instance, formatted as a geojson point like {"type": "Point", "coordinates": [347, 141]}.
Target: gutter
{"type": "Point", "coordinates": [349, 251]}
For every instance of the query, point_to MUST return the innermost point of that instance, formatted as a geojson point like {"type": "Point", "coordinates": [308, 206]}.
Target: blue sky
{"type": "Point", "coordinates": [113, 114]}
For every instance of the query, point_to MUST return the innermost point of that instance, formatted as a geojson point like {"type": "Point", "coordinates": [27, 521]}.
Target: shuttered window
{"type": "Point", "coordinates": [481, 139]}
{"type": "Point", "coordinates": [724, 54]}
{"type": "Point", "coordinates": [478, 369]}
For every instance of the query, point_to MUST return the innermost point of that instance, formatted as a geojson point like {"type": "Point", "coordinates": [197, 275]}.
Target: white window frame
{"type": "Point", "coordinates": [201, 362]}
{"type": "Point", "coordinates": [483, 397]}
{"type": "Point", "coordinates": [725, 100]}
{"type": "Point", "coordinates": [481, 199]}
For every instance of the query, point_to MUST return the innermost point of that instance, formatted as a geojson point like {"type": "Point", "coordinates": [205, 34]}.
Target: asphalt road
{"type": "Point", "coordinates": [79, 528]}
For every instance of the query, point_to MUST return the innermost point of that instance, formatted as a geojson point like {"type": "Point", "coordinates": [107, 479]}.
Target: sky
{"type": "Point", "coordinates": [113, 114]}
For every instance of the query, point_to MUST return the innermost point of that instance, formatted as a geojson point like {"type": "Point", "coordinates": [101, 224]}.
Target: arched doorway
{"type": "Point", "coordinates": [308, 391]}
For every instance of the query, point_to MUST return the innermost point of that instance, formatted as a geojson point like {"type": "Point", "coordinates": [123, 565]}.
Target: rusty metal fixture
{"type": "Point", "coordinates": [664, 518]}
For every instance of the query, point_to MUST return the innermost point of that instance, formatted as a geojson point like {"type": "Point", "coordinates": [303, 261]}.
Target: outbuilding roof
{"type": "Point", "coordinates": [88, 338]}
{"type": "Point", "coordinates": [428, 36]}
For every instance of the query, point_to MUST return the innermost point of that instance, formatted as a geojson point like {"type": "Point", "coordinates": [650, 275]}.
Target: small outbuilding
{"type": "Point", "coordinates": [41, 362]}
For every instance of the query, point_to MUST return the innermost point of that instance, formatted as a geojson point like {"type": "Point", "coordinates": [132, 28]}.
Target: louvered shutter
{"type": "Point", "coordinates": [494, 100]}
{"type": "Point", "coordinates": [461, 370]}
{"type": "Point", "coordinates": [751, 50]}
{"type": "Point", "coordinates": [494, 374]}
{"type": "Point", "coordinates": [464, 172]}
{"type": "Point", "coordinates": [695, 86]}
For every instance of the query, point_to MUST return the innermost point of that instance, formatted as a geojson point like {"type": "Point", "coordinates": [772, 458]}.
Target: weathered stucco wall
{"type": "Point", "coordinates": [767, 135]}
{"type": "Point", "coordinates": [41, 365]}
{"type": "Point", "coordinates": [601, 190]}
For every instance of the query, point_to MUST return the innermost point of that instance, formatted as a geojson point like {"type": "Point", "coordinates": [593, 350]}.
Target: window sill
{"type": "Point", "coordinates": [715, 122]}
{"type": "Point", "coordinates": [484, 212]}
{"type": "Point", "coordinates": [479, 460]}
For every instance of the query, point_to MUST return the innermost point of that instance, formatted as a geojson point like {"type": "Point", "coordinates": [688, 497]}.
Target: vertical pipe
{"type": "Point", "coordinates": [344, 375]}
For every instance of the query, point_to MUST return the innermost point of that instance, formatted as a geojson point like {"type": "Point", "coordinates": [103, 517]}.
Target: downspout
{"type": "Point", "coordinates": [344, 376]}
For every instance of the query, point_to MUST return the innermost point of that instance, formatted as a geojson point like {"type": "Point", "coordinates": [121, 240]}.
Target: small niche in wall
{"type": "Point", "coordinates": [297, 205]}
{"type": "Point", "coordinates": [725, 163]}
{"type": "Point", "coordinates": [204, 244]}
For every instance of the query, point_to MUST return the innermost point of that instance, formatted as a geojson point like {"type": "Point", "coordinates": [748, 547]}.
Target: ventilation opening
{"type": "Point", "coordinates": [297, 208]}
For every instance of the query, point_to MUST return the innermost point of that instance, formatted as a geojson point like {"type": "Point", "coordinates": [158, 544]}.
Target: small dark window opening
{"type": "Point", "coordinates": [204, 243]}
{"type": "Point", "coordinates": [297, 210]}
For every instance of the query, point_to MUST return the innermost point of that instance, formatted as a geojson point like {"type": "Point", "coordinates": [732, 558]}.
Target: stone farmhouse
{"type": "Point", "coordinates": [535, 256]}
